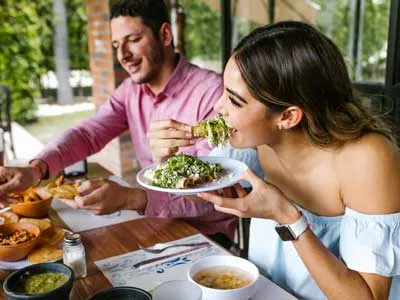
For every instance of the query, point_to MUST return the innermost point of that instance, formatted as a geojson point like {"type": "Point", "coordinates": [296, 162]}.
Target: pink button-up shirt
{"type": "Point", "coordinates": [188, 97]}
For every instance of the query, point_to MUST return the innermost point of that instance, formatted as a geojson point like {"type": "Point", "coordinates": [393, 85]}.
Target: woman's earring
{"type": "Point", "coordinates": [279, 127]}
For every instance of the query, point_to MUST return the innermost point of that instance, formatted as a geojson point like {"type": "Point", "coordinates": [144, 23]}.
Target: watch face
{"type": "Point", "coordinates": [284, 233]}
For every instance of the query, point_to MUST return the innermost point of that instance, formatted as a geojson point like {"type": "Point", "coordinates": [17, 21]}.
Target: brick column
{"type": "Point", "coordinates": [118, 156]}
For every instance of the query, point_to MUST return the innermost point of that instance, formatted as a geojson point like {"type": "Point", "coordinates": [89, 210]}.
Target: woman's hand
{"type": "Point", "coordinates": [264, 201]}
{"type": "Point", "coordinates": [166, 136]}
{"type": "Point", "coordinates": [105, 196]}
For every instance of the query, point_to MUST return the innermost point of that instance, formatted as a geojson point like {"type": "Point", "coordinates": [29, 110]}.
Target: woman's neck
{"type": "Point", "coordinates": [296, 152]}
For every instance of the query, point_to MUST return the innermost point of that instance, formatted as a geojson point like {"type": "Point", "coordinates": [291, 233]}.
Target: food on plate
{"type": "Point", "coordinates": [47, 246]}
{"type": "Point", "coordinates": [8, 217]}
{"type": "Point", "coordinates": [51, 237]}
{"type": "Point", "coordinates": [62, 189]}
{"type": "Point", "coordinates": [43, 224]}
{"type": "Point", "coordinates": [17, 240]}
{"type": "Point", "coordinates": [216, 130]}
{"type": "Point", "coordinates": [26, 196]}
{"type": "Point", "coordinates": [222, 278]}
{"type": "Point", "coordinates": [40, 283]}
{"type": "Point", "coordinates": [183, 171]}
{"type": "Point", "coordinates": [16, 237]}
{"type": "Point", "coordinates": [44, 254]}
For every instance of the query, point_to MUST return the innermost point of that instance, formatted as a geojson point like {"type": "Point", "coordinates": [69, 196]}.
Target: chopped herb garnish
{"type": "Point", "coordinates": [181, 171]}
{"type": "Point", "coordinates": [215, 129]}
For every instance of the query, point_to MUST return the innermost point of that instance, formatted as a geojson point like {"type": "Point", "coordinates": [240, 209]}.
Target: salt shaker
{"type": "Point", "coordinates": [74, 254]}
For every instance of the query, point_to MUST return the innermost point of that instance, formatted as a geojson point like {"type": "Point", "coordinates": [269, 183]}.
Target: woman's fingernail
{"type": "Point", "coordinates": [188, 134]}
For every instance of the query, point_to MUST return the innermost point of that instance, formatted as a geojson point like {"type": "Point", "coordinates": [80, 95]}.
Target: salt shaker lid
{"type": "Point", "coordinates": [72, 238]}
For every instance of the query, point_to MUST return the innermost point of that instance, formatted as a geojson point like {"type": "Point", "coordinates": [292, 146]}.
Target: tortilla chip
{"type": "Point", "coordinates": [60, 189]}
{"type": "Point", "coordinates": [52, 238]}
{"type": "Point", "coordinates": [45, 254]}
{"type": "Point", "coordinates": [43, 224]}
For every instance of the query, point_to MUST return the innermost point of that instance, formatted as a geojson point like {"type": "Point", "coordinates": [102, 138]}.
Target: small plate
{"type": "Point", "coordinates": [233, 170]}
{"type": "Point", "coordinates": [19, 264]}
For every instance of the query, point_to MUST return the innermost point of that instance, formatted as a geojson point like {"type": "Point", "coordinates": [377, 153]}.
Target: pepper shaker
{"type": "Point", "coordinates": [74, 254]}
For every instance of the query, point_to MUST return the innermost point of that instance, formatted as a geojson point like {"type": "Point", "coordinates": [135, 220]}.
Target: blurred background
{"type": "Point", "coordinates": [57, 65]}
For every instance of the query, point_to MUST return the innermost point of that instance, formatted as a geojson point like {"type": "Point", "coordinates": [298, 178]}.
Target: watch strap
{"type": "Point", "coordinates": [298, 227]}
{"type": "Point", "coordinates": [291, 232]}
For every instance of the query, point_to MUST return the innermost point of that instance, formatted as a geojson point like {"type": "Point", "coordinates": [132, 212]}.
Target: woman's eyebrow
{"type": "Point", "coordinates": [236, 95]}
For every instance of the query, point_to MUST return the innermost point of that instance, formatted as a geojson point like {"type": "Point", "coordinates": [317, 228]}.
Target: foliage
{"type": "Point", "coordinates": [375, 33]}
{"type": "Point", "coordinates": [202, 31]}
{"type": "Point", "coordinates": [26, 31]}
{"type": "Point", "coordinates": [77, 34]}
{"type": "Point", "coordinates": [21, 56]}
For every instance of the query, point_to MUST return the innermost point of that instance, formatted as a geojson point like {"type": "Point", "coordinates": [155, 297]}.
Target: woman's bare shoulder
{"type": "Point", "coordinates": [369, 172]}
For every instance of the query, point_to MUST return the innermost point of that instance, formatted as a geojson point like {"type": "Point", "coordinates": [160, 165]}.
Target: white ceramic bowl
{"type": "Point", "coordinates": [243, 293]}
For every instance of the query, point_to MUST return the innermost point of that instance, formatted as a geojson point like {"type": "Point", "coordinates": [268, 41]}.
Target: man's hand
{"type": "Point", "coordinates": [17, 179]}
{"type": "Point", "coordinates": [105, 196]}
{"type": "Point", "coordinates": [166, 136]}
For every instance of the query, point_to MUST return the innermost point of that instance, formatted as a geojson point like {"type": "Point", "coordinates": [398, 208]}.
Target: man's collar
{"type": "Point", "coordinates": [173, 84]}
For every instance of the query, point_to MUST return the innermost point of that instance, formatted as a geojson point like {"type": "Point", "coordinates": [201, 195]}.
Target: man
{"type": "Point", "coordinates": [162, 87]}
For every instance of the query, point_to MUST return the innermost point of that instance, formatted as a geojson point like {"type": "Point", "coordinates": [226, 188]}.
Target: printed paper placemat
{"type": "Point", "coordinates": [119, 269]}
{"type": "Point", "coordinates": [80, 219]}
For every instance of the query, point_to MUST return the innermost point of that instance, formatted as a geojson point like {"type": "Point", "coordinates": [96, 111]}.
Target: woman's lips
{"type": "Point", "coordinates": [231, 129]}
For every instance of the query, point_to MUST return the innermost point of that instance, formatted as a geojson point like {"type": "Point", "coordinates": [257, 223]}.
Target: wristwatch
{"type": "Point", "coordinates": [291, 232]}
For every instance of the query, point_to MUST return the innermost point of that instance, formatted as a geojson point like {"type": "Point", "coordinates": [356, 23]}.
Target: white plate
{"type": "Point", "coordinates": [233, 170]}
{"type": "Point", "coordinates": [19, 264]}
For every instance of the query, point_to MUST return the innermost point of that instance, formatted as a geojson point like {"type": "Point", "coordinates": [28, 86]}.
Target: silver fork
{"type": "Point", "coordinates": [159, 250]}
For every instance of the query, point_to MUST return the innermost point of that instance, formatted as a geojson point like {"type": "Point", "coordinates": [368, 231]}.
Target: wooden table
{"type": "Point", "coordinates": [122, 238]}
{"type": "Point", "coordinates": [115, 240]}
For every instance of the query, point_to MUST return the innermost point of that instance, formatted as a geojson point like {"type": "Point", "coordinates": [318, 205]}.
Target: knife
{"type": "Point", "coordinates": [151, 260]}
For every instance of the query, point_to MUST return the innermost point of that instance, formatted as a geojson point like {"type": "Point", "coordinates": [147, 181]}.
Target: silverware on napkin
{"type": "Point", "coordinates": [159, 250]}
{"type": "Point", "coordinates": [151, 260]}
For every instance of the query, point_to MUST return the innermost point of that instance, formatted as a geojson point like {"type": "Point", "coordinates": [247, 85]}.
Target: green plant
{"type": "Point", "coordinates": [21, 56]}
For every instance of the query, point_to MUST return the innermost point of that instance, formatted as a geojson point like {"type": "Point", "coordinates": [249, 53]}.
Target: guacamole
{"type": "Point", "coordinates": [41, 283]}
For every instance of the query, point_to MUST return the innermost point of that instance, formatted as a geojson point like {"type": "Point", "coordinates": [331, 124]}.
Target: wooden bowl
{"type": "Point", "coordinates": [19, 251]}
{"type": "Point", "coordinates": [35, 209]}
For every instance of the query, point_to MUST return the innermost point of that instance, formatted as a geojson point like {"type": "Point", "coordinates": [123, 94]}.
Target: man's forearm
{"type": "Point", "coordinates": [136, 200]}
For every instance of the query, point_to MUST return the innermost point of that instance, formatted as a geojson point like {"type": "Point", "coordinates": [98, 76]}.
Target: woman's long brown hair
{"type": "Point", "coordinates": [292, 63]}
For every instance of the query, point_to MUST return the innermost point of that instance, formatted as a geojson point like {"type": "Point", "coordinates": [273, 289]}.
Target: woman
{"type": "Point", "coordinates": [332, 168]}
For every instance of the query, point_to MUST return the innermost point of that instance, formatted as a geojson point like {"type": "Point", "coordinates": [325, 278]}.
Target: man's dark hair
{"type": "Point", "coordinates": [152, 12]}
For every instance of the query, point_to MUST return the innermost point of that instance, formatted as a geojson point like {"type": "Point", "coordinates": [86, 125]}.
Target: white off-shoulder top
{"type": "Point", "coordinates": [366, 243]}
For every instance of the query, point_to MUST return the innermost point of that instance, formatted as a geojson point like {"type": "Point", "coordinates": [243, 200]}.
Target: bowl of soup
{"type": "Point", "coordinates": [224, 277]}
{"type": "Point", "coordinates": [44, 281]}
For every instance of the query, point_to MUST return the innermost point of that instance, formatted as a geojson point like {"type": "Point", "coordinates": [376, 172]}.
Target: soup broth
{"type": "Point", "coordinates": [223, 278]}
